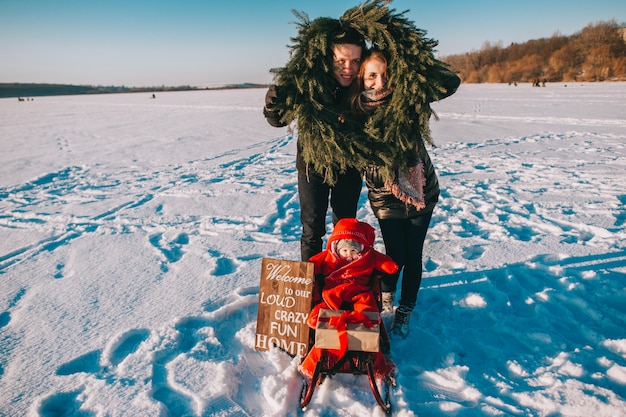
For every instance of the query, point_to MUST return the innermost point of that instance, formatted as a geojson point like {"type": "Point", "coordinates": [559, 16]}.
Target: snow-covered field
{"type": "Point", "coordinates": [132, 232]}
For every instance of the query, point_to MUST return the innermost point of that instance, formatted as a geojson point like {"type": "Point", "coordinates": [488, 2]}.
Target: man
{"type": "Point", "coordinates": [311, 90]}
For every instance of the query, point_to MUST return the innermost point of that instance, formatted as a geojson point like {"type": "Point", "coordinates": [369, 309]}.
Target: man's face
{"type": "Point", "coordinates": [346, 61]}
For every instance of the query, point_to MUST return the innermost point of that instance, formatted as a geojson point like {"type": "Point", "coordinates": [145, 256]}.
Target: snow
{"type": "Point", "coordinates": [132, 232]}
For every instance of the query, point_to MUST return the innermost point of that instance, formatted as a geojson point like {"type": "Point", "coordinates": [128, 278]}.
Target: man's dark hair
{"type": "Point", "coordinates": [348, 35]}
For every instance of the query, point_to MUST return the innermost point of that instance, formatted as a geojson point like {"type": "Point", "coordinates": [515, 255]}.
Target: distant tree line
{"type": "Point", "coordinates": [596, 53]}
{"type": "Point", "coordinates": [37, 90]}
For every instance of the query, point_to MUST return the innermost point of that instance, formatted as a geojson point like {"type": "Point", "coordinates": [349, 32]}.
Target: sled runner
{"type": "Point", "coordinates": [366, 359]}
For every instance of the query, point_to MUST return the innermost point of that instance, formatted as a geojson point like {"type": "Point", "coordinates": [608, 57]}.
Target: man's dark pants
{"type": "Point", "coordinates": [314, 195]}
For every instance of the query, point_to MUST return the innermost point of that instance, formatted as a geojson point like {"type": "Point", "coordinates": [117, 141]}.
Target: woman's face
{"type": "Point", "coordinates": [374, 75]}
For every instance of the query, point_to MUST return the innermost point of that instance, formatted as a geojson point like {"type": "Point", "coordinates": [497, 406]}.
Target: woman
{"type": "Point", "coordinates": [402, 197]}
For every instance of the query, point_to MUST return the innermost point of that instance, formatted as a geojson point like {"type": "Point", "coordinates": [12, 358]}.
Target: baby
{"type": "Point", "coordinates": [347, 266]}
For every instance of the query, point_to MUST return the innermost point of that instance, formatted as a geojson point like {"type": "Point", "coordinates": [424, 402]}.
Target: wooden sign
{"type": "Point", "coordinates": [284, 305]}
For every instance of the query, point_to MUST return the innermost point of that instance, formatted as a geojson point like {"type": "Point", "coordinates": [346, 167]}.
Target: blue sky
{"type": "Point", "coordinates": [200, 42]}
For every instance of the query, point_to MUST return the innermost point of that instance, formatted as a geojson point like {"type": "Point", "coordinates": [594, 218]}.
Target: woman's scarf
{"type": "Point", "coordinates": [408, 184]}
{"type": "Point", "coordinates": [370, 100]}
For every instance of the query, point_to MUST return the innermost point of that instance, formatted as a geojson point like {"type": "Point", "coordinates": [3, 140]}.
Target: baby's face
{"type": "Point", "coordinates": [348, 254]}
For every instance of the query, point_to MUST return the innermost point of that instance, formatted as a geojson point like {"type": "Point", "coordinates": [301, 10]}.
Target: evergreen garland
{"type": "Point", "coordinates": [332, 143]}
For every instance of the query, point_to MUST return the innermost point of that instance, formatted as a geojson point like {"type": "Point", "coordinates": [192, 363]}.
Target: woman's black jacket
{"type": "Point", "coordinates": [387, 206]}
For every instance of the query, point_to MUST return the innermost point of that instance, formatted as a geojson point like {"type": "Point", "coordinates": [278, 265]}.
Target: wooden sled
{"type": "Point", "coordinates": [355, 363]}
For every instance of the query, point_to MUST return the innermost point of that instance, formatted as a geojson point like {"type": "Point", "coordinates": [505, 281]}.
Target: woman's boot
{"type": "Point", "coordinates": [400, 327]}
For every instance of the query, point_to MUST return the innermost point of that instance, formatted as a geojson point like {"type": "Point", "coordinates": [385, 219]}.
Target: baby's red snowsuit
{"type": "Point", "coordinates": [349, 282]}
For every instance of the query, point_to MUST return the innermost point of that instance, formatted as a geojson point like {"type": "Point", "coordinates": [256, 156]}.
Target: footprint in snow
{"type": "Point", "coordinates": [127, 344]}
{"type": "Point", "coordinates": [473, 252]}
{"type": "Point", "coordinates": [88, 363]}
{"type": "Point", "coordinates": [64, 404]}
{"type": "Point", "coordinates": [223, 264]}
{"type": "Point", "coordinates": [209, 344]}
{"type": "Point", "coordinates": [172, 250]}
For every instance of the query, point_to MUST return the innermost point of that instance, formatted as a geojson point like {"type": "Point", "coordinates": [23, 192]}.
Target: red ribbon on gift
{"type": "Point", "coordinates": [341, 321]}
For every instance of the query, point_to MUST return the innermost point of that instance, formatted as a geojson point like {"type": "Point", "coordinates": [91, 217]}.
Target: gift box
{"type": "Point", "coordinates": [360, 337]}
